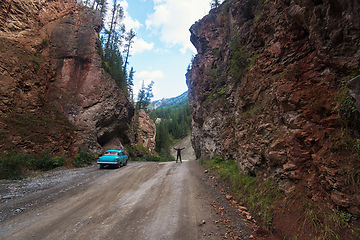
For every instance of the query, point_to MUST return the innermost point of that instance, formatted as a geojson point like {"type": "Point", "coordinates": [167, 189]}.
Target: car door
{"type": "Point", "coordinates": [118, 158]}
{"type": "Point", "coordinates": [122, 157]}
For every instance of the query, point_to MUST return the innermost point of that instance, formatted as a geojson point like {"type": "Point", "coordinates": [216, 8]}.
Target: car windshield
{"type": "Point", "coordinates": [112, 153]}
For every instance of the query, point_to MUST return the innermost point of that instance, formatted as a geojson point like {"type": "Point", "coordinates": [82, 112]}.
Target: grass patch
{"type": "Point", "coordinates": [314, 217]}
{"type": "Point", "coordinates": [252, 111]}
{"type": "Point", "coordinates": [239, 59]}
{"type": "Point", "coordinates": [258, 15]}
{"type": "Point", "coordinates": [352, 179]}
{"type": "Point", "coordinates": [325, 224]}
{"type": "Point", "coordinates": [347, 109]}
{"type": "Point", "coordinates": [354, 73]}
{"type": "Point", "coordinates": [217, 94]}
{"type": "Point", "coordinates": [258, 195]}
{"type": "Point", "coordinates": [348, 142]}
{"type": "Point", "coordinates": [341, 219]}
{"type": "Point", "coordinates": [356, 232]}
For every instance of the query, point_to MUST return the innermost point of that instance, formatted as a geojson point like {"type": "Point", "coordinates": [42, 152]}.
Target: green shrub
{"type": "Point", "coordinates": [130, 150]}
{"type": "Point", "coordinates": [152, 158]}
{"type": "Point", "coordinates": [341, 219]}
{"type": "Point", "coordinates": [59, 161]}
{"type": "Point", "coordinates": [219, 94]}
{"type": "Point", "coordinates": [217, 159]}
{"type": "Point", "coordinates": [36, 60]}
{"type": "Point", "coordinates": [44, 43]}
{"type": "Point", "coordinates": [83, 159]}
{"type": "Point", "coordinates": [347, 109]}
{"type": "Point", "coordinates": [166, 156]}
{"type": "Point", "coordinates": [159, 158]}
{"type": "Point", "coordinates": [356, 232]}
{"type": "Point", "coordinates": [238, 59]}
{"type": "Point", "coordinates": [141, 149]}
{"type": "Point", "coordinates": [11, 165]}
{"type": "Point", "coordinates": [44, 162]}
{"type": "Point", "coordinates": [252, 111]}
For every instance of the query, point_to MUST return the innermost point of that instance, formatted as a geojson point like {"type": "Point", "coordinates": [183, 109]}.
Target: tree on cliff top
{"type": "Point", "coordinates": [97, 5]}
{"type": "Point", "coordinates": [215, 3]}
{"type": "Point", "coordinates": [111, 40]}
{"type": "Point", "coordinates": [130, 84]}
{"type": "Point", "coordinates": [129, 38]}
{"type": "Point", "coordinates": [144, 96]}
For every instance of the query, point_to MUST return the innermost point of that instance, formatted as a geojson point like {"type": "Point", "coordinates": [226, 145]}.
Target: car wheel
{"type": "Point", "coordinates": [101, 166]}
{"type": "Point", "coordinates": [125, 163]}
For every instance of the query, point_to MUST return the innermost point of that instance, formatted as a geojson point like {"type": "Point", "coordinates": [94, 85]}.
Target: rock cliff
{"type": "Point", "coordinates": [146, 131]}
{"type": "Point", "coordinates": [51, 73]}
{"type": "Point", "coordinates": [268, 89]}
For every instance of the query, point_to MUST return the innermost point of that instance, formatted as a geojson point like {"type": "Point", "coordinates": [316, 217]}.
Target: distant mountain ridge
{"type": "Point", "coordinates": [168, 102]}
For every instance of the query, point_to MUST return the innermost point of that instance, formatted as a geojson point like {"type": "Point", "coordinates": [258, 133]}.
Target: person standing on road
{"type": "Point", "coordinates": [178, 155]}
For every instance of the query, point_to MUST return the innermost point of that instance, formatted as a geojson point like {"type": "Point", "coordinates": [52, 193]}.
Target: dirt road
{"type": "Point", "coordinates": [140, 201]}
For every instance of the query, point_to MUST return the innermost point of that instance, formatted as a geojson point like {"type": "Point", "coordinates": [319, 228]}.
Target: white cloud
{"type": "Point", "coordinates": [173, 18]}
{"type": "Point", "coordinates": [147, 77]}
{"type": "Point", "coordinates": [140, 45]}
{"type": "Point", "coordinates": [162, 51]}
{"type": "Point", "coordinates": [128, 21]}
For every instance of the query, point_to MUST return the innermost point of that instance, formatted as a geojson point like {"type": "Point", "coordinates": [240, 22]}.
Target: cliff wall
{"type": "Point", "coordinates": [51, 73]}
{"type": "Point", "coordinates": [268, 89]}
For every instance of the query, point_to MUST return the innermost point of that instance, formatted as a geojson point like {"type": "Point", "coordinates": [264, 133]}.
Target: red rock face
{"type": "Point", "coordinates": [50, 61]}
{"type": "Point", "coordinates": [82, 90]}
{"type": "Point", "coordinates": [264, 90]}
{"type": "Point", "coordinates": [146, 131]}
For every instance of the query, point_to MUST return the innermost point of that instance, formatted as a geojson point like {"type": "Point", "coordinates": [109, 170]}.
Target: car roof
{"type": "Point", "coordinates": [114, 151]}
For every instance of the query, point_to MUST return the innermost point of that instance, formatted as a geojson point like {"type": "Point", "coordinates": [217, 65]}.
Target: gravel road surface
{"type": "Point", "coordinates": [140, 201]}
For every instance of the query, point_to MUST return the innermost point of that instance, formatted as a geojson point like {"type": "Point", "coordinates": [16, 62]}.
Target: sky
{"type": "Point", "coordinates": [162, 50]}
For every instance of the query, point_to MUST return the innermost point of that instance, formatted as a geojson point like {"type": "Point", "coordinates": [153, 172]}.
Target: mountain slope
{"type": "Point", "coordinates": [170, 102]}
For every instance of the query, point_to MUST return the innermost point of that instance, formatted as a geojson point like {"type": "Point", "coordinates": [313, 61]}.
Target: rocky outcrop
{"type": "Point", "coordinates": [146, 131]}
{"type": "Point", "coordinates": [87, 96]}
{"type": "Point", "coordinates": [50, 65]}
{"type": "Point", "coordinates": [267, 89]}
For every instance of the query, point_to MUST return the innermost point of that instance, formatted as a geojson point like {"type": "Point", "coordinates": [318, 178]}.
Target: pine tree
{"type": "Point", "coordinates": [129, 38]}
{"type": "Point", "coordinates": [117, 14]}
{"type": "Point", "coordinates": [144, 96]}
{"type": "Point", "coordinates": [162, 141]}
{"type": "Point", "coordinates": [215, 3]}
{"type": "Point", "coordinates": [141, 97]}
{"type": "Point", "coordinates": [111, 42]}
{"type": "Point", "coordinates": [130, 84]}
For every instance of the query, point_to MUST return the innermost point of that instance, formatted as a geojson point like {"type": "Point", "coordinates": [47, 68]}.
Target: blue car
{"type": "Point", "coordinates": [114, 158]}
